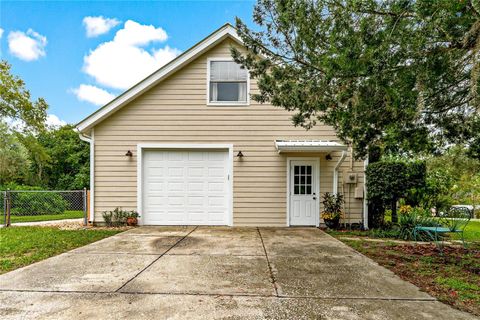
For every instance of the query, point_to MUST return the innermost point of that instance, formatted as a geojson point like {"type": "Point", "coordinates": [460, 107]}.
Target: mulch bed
{"type": "Point", "coordinates": [452, 277]}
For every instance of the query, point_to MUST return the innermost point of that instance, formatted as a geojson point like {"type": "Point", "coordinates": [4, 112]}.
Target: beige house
{"type": "Point", "coordinates": [187, 146]}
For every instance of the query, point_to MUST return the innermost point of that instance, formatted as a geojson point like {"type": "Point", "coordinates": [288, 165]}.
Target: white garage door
{"type": "Point", "coordinates": [185, 187]}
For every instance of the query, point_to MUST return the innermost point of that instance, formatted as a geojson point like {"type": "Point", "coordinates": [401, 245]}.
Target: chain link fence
{"type": "Point", "coordinates": [42, 205]}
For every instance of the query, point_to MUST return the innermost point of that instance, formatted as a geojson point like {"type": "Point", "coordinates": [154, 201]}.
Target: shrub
{"type": "Point", "coordinates": [332, 206]}
{"type": "Point", "coordinates": [414, 217]}
{"type": "Point", "coordinates": [118, 217]}
{"type": "Point", "coordinates": [37, 203]}
{"type": "Point", "coordinates": [388, 181]}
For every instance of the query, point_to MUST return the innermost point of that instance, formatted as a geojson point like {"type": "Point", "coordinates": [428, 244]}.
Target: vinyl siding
{"type": "Point", "coordinates": [175, 111]}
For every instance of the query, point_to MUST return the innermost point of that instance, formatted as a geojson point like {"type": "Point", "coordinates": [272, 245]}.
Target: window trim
{"type": "Point", "coordinates": [225, 103]}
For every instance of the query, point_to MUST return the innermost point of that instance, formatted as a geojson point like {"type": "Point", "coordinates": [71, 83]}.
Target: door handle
{"type": "Point", "coordinates": [314, 198]}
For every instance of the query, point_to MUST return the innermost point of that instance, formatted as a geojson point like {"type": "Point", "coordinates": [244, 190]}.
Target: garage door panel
{"type": "Point", "coordinates": [175, 186]}
{"type": "Point", "coordinates": [155, 171]}
{"type": "Point", "coordinates": [216, 172]}
{"type": "Point", "coordinates": [185, 187]}
{"type": "Point", "coordinates": [175, 155]}
{"type": "Point", "coordinates": [175, 171]}
{"type": "Point", "coordinates": [196, 186]}
{"type": "Point", "coordinates": [196, 172]}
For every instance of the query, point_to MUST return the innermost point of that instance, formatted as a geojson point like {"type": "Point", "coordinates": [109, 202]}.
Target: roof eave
{"type": "Point", "coordinates": [204, 45]}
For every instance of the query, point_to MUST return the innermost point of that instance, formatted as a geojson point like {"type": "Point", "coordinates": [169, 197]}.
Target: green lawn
{"type": "Point", "coordinates": [452, 278]}
{"type": "Point", "coordinates": [21, 246]}
{"type": "Point", "coordinates": [47, 217]}
{"type": "Point", "coordinates": [472, 231]}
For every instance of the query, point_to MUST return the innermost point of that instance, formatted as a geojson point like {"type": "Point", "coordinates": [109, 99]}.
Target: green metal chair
{"type": "Point", "coordinates": [454, 221]}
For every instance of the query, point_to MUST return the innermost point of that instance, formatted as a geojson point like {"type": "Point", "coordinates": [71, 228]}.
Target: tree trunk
{"type": "Point", "coordinates": [394, 211]}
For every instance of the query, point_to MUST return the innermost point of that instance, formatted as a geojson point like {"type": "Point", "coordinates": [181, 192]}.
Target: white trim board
{"type": "Point", "coordinates": [91, 142]}
{"type": "Point", "coordinates": [92, 176]}
{"type": "Point", "coordinates": [222, 33]}
{"type": "Point", "coordinates": [180, 146]}
{"type": "Point", "coordinates": [317, 185]}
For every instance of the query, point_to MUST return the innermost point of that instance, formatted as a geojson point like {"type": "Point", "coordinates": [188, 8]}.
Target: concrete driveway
{"type": "Point", "coordinates": [214, 273]}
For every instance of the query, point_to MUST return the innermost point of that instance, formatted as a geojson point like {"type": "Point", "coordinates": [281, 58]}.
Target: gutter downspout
{"type": "Point", "coordinates": [91, 141]}
{"type": "Point", "coordinates": [335, 171]}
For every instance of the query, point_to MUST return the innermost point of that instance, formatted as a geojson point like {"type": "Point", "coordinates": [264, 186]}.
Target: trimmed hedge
{"type": "Point", "coordinates": [388, 181]}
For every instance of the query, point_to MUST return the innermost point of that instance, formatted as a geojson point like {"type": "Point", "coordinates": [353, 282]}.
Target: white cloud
{"type": "Point", "coordinates": [96, 26]}
{"type": "Point", "coordinates": [54, 121]}
{"type": "Point", "coordinates": [136, 34]}
{"type": "Point", "coordinates": [27, 46]}
{"type": "Point", "coordinates": [1, 33]}
{"type": "Point", "coordinates": [93, 94]}
{"type": "Point", "coordinates": [123, 62]}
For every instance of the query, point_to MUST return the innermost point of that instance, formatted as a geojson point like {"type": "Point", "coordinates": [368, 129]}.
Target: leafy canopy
{"type": "Point", "coordinates": [403, 74]}
{"type": "Point", "coordinates": [16, 103]}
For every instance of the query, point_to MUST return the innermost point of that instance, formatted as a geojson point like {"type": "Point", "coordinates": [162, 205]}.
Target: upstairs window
{"type": "Point", "coordinates": [227, 83]}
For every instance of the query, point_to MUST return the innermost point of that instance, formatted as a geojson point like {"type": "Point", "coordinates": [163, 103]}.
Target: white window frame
{"type": "Point", "coordinates": [225, 103]}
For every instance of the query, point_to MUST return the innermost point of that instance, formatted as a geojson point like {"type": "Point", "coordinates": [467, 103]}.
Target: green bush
{"type": "Point", "coordinates": [415, 217]}
{"type": "Point", "coordinates": [388, 181]}
{"type": "Point", "coordinates": [37, 203]}
{"type": "Point", "coordinates": [118, 217]}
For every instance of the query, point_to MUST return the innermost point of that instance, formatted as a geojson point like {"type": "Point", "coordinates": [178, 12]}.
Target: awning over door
{"type": "Point", "coordinates": [308, 146]}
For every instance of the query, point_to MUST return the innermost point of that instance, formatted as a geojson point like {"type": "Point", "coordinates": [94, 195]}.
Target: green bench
{"type": "Point", "coordinates": [454, 221]}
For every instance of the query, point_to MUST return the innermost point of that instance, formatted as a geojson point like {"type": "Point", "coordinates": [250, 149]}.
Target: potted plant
{"type": "Point", "coordinates": [332, 209]}
{"type": "Point", "coordinates": [132, 218]}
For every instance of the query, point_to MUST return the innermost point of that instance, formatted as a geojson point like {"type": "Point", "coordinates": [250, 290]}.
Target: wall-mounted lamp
{"type": "Point", "coordinates": [328, 157]}
{"type": "Point", "coordinates": [240, 154]}
{"type": "Point", "coordinates": [129, 153]}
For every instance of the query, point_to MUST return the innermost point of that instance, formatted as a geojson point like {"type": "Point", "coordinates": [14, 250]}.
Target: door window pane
{"type": "Point", "coordinates": [302, 182]}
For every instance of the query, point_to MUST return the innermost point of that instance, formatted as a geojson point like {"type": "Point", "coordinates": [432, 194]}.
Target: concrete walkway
{"type": "Point", "coordinates": [44, 223]}
{"type": "Point", "coordinates": [214, 273]}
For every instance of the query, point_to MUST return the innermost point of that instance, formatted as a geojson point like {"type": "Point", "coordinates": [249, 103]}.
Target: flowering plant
{"type": "Point", "coordinates": [331, 216]}
{"type": "Point", "coordinates": [405, 209]}
{"type": "Point", "coordinates": [332, 206]}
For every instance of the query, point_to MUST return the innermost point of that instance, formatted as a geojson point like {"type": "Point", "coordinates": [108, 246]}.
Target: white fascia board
{"type": "Point", "coordinates": [219, 35]}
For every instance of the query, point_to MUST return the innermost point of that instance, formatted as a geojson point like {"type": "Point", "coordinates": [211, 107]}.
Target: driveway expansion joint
{"type": "Point", "coordinates": [155, 260]}
{"type": "Point", "coordinates": [284, 297]}
{"type": "Point", "coordinates": [268, 263]}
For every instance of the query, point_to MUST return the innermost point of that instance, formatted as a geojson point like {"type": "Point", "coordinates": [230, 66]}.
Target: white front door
{"type": "Point", "coordinates": [303, 193]}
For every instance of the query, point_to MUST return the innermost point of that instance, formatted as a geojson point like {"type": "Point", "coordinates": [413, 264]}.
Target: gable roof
{"type": "Point", "coordinates": [226, 31]}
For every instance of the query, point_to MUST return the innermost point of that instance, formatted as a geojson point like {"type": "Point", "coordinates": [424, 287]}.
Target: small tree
{"type": "Point", "coordinates": [388, 181]}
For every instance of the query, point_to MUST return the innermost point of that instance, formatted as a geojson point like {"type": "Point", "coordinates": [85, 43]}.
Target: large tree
{"type": "Point", "coordinates": [68, 159]}
{"type": "Point", "coordinates": [403, 74]}
{"type": "Point", "coordinates": [14, 162]}
{"type": "Point", "coordinates": [16, 102]}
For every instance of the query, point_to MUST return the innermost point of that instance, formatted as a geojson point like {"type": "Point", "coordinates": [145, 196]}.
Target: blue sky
{"type": "Point", "coordinates": [48, 46]}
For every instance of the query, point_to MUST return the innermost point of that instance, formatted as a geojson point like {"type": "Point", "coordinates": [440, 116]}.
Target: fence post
{"type": "Point", "coordinates": [8, 206]}
{"type": "Point", "coordinates": [85, 218]}
{"type": "Point", "coordinates": [4, 208]}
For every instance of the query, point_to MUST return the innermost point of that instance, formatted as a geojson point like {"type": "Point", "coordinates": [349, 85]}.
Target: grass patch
{"type": "Point", "coordinates": [472, 231]}
{"type": "Point", "coordinates": [47, 217]}
{"type": "Point", "coordinates": [453, 278]}
{"type": "Point", "coordinates": [21, 246]}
